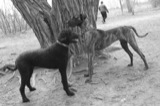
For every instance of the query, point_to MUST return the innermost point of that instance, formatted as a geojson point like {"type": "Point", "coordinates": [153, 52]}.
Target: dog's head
{"type": "Point", "coordinates": [77, 21]}
{"type": "Point", "coordinates": [67, 37]}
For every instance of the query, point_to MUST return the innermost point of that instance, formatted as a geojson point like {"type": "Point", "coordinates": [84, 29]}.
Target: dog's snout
{"type": "Point", "coordinates": [75, 37]}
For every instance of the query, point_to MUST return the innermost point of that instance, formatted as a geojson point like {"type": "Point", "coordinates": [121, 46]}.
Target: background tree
{"type": "Point", "coordinates": [121, 5]}
{"type": "Point", "coordinates": [155, 3]}
{"type": "Point", "coordinates": [130, 6]}
{"type": "Point", "coordinates": [10, 20]}
{"type": "Point", "coordinates": [46, 21]}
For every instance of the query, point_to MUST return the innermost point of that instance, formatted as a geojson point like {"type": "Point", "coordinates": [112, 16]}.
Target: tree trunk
{"type": "Point", "coordinates": [129, 7]}
{"type": "Point", "coordinates": [120, 2]}
{"type": "Point", "coordinates": [47, 21]}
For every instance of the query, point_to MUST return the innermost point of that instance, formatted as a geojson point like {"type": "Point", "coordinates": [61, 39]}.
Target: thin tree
{"type": "Point", "coordinates": [130, 7]}
{"type": "Point", "coordinates": [120, 2]}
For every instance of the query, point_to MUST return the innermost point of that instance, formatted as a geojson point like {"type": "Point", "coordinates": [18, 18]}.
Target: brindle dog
{"type": "Point", "coordinates": [53, 57]}
{"type": "Point", "coordinates": [96, 39]}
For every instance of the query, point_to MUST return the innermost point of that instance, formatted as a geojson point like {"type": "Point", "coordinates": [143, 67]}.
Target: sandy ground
{"type": "Point", "coordinates": [115, 84]}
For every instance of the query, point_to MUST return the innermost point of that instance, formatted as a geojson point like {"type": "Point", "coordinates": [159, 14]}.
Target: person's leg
{"type": "Point", "coordinates": [105, 16]}
{"type": "Point", "coordinates": [102, 16]}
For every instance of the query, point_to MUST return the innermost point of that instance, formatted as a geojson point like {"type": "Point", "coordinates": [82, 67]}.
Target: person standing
{"type": "Point", "coordinates": [103, 9]}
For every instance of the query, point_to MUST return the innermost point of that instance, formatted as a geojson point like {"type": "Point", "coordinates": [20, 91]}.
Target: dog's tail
{"type": "Point", "coordinates": [135, 31]}
{"type": "Point", "coordinates": [10, 67]}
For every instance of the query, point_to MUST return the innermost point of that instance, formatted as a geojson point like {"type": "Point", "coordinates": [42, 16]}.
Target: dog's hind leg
{"type": "Point", "coordinates": [136, 48]}
{"type": "Point", "coordinates": [70, 70]}
{"type": "Point", "coordinates": [24, 77]}
{"type": "Point", "coordinates": [90, 67]}
{"type": "Point", "coordinates": [25, 72]}
{"type": "Point", "coordinates": [33, 79]}
{"type": "Point", "coordinates": [126, 49]}
{"type": "Point", "coordinates": [28, 81]}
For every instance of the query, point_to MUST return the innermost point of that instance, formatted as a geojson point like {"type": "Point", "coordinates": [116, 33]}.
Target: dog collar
{"type": "Point", "coordinates": [62, 44]}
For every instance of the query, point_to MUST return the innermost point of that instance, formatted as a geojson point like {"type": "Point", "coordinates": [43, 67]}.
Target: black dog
{"type": "Point", "coordinates": [53, 57]}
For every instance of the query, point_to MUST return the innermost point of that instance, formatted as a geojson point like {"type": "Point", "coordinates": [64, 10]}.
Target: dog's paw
{"type": "Point", "coordinates": [130, 65]}
{"type": "Point", "coordinates": [86, 75]}
{"type": "Point", "coordinates": [72, 89]}
{"type": "Point", "coordinates": [88, 81]}
{"type": "Point", "coordinates": [146, 68]}
{"type": "Point", "coordinates": [32, 89]}
{"type": "Point", "coordinates": [70, 93]}
{"type": "Point", "coordinates": [25, 100]}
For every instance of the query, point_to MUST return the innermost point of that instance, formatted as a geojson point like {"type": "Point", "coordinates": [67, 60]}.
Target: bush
{"type": "Point", "coordinates": [155, 3]}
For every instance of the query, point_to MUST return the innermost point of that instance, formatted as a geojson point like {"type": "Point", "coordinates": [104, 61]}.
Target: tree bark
{"type": "Point", "coordinates": [46, 21]}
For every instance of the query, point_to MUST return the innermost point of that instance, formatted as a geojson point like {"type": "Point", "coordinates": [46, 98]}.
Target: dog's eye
{"type": "Point", "coordinates": [79, 18]}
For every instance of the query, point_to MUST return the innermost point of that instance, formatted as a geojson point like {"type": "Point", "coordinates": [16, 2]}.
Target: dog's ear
{"type": "Point", "coordinates": [76, 20]}
{"type": "Point", "coordinates": [73, 21]}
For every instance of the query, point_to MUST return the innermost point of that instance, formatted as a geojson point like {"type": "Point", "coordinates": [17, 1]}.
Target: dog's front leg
{"type": "Point", "coordinates": [70, 69]}
{"type": "Point", "coordinates": [90, 67]}
{"type": "Point", "coordinates": [33, 80]}
{"type": "Point", "coordinates": [65, 81]}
